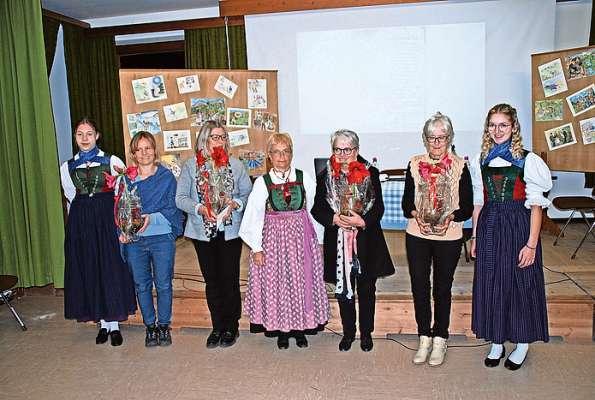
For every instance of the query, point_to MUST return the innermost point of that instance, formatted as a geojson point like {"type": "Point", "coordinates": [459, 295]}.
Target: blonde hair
{"type": "Point", "coordinates": [278, 138]}
{"type": "Point", "coordinates": [516, 146]}
{"type": "Point", "coordinates": [133, 147]}
{"type": "Point", "coordinates": [205, 132]}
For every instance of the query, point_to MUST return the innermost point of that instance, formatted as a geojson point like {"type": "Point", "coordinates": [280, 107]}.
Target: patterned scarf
{"type": "Point", "coordinates": [502, 150]}
{"type": "Point", "coordinates": [347, 261]}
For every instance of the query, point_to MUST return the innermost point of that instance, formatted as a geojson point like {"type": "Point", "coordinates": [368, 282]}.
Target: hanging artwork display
{"type": "Point", "coordinates": [149, 89]}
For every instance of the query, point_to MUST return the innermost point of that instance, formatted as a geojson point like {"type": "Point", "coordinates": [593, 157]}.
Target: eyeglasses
{"type": "Point", "coordinates": [346, 151]}
{"type": "Point", "coordinates": [218, 137]}
{"type": "Point", "coordinates": [279, 153]}
{"type": "Point", "coordinates": [437, 139]}
{"type": "Point", "coordinates": [500, 127]}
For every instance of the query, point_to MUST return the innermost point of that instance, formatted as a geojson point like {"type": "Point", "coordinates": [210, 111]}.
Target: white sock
{"type": "Point", "coordinates": [104, 325]}
{"type": "Point", "coordinates": [113, 326]}
{"type": "Point", "coordinates": [519, 354]}
{"type": "Point", "coordinates": [496, 351]}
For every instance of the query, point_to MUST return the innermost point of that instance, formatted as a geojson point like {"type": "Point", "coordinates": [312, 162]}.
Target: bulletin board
{"type": "Point", "coordinates": [172, 104]}
{"type": "Point", "coordinates": [563, 101]}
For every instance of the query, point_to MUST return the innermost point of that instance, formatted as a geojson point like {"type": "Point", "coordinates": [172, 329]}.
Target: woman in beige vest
{"type": "Point", "coordinates": [438, 199]}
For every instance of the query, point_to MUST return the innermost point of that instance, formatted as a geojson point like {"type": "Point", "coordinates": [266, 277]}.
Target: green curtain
{"type": "Point", "coordinates": [207, 48]}
{"type": "Point", "coordinates": [94, 85]}
{"type": "Point", "coordinates": [50, 36]}
{"type": "Point", "coordinates": [31, 223]}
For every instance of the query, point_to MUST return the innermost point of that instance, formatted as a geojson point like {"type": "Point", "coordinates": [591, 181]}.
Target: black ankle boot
{"type": "Point", "coordinates": [283, 341]}
{"type": "Point", "coordinates": [151, 336]}
{"type": "Point", "coordinates": [164, 335]}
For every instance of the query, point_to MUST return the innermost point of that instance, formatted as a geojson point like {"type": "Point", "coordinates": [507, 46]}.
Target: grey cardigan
{"type": "Point", "coordinates": [187, 199]}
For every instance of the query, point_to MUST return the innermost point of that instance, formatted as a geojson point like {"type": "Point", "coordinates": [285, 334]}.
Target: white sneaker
{"type": "Point", "coordinates": [438, 351]}
{"type": "Point", "coordinates": [425, 342]}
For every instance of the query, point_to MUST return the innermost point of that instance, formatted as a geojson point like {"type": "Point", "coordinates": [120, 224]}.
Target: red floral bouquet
{"type": "Point", "coordinates": [214, 182]}
{"type": "Point", "coordinates": [435, 190]}
{"type": "Point", "coordinates": [127, 205]}
{"type": "Point", "coordinates": [352, 185]}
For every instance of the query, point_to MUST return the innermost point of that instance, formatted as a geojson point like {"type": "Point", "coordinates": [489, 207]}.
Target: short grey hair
{"type": "Point", "coordinates": [432, 123]}
{"type": "Point", "coordinates": [203, 136]}
{"type": "Point", "coordinates": [346, 133]}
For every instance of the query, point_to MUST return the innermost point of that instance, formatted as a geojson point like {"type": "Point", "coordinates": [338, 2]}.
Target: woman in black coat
{"type": "Point", "coordinates": [349, 205]}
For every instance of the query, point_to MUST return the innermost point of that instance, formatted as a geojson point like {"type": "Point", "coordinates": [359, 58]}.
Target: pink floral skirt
{"type": "Point", "coordinates": [288, 292]}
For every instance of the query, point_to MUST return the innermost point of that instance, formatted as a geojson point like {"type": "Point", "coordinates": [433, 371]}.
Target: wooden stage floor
{"type": "Point", "coordinates": [570, 288]}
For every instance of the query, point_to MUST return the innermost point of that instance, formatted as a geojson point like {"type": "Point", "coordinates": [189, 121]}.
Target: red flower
{"type": "Point", "coordinates": [110, 180]}
{"type": "Point", "coordinates": [446, 161]}
{"type": "Point", "coordinates": [219, 156]}
{"type": "Point", "coordinates": [132, 173]}
{"type": "Point", "coordinates": [336, 166]}
{"type": "Point", "coordinates": [200, 159]}
{"type": "Point", "coordinates": [357, 172]}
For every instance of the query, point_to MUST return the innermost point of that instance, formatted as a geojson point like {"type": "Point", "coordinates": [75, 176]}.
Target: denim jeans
{"type": "Point", "coordinates": [151, 259]}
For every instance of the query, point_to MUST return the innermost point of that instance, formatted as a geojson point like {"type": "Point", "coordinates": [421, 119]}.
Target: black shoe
{"type": "Point", "coordinates": [164, 335]}
{"type": "Point", "coordinates": [366, 343]}
{"type": "Point", "coordinates": [494, 362]}
{"type": "Point", "coordinates": [283, 341]}
{"type": "Point", "coordinates": [512, 365]}
{"type": "Point", "coordinates": [214, 339]}
{"type": "Point", "coordinates": [229, 337]}
{"type": "Point", "coordinates": [301, 341]}
{"type": "Point", "coordinates": [151, 337]}
{"type": "Point", "coordinates": [345, 343]}
{"type": "Point", "coordinates": [101, 336]}
{"type": "Point", "coordinates": [116, 338]}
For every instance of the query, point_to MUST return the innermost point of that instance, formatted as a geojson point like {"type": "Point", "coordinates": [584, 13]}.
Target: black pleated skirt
{"type": "Point", "coordinates": [97, 283]}
{"type": "Point", "coordinates": [509, 302]}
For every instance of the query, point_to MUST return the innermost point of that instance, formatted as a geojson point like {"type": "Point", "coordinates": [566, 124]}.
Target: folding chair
{"type": "Point", "coordinates": [581, 204]}
{"type": "Point", "coordinates": [7, 282]}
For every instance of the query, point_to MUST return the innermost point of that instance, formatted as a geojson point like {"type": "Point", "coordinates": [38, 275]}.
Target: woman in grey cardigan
{"type": "Point", "coordinates": [214, 232]}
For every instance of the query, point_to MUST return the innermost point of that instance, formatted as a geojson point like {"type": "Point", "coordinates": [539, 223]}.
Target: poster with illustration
{"type": "Point", "coordinates": [149, 89]}
{"type": "Point", "coordinates": [582, 101]}
{"type": "Point", "coordinates": [239, 137]}
{"type": "Point", "coordinates": [188, 84]}
{"type": "Point", "coordinates": [552, 78]}
{"type": "Point", "coordinates": [549, 110]}
{"type": "Point", "coordinates": [226, 87]}
{"type": "Point", "coordinates": [254, 161]}
{"type": "Point", "coordinates": [580, 65]}
{"type": "Point", "coordinates": [177, 140]}
{"type": "Point", "coordinates": [257, 93]}
{"type": "Point", "coordinates": [265, 121]}
{"type": "Point", "coordinates": [238, 117]}
{"type": "Point", "coordinates": [144, 121]}
{"type": "Point", "coordinates": [175, 112]}
{"type": "Point", "coordinates": [588, 130]}
{"type": "Point", "coordinates": [205, 109]}
{"type": "Point", "coordinates": [559, 137]}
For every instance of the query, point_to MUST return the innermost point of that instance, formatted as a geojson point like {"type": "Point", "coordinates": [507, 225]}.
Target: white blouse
{"type": "Point", "coordinates": [537, 177]}
{"type": "Point", "coordinates": [253, 220]}
{"type": "Point", "coordinates": [68, 185]}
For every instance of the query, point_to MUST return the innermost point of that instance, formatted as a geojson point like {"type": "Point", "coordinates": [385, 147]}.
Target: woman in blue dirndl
{"type": "Point", "coordinates": [97, 284]}
{"type": "Point", "coordinates": [509, 302]}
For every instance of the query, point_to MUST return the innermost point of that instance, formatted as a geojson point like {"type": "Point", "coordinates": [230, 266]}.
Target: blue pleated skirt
{"type": "Point", "coordinates": [97, 283]}
{"type": "Point", "coordinates": [509, 302]}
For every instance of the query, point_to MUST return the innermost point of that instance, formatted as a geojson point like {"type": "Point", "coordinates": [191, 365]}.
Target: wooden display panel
{"type": "Point", "coordinates": [579, 157]}
{"type": "Point", "coordinates": [207, 80]}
